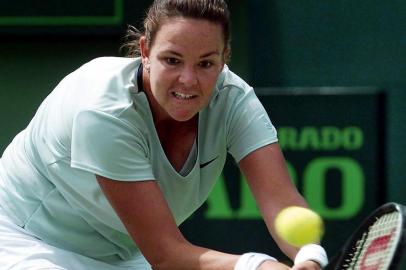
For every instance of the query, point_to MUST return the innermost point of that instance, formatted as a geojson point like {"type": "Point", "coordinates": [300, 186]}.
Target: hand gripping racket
{"type": "Point", "coordinates": [377, 244]}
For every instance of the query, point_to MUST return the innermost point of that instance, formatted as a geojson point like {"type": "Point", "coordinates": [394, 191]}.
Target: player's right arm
{"type": "Point", "coordinates": [146, 215]}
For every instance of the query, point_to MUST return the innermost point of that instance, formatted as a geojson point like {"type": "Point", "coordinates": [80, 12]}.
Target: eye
{"type": "Point", "coordinates": [172, 61]}
{"type": "Point", "coordinates": [205, 64]}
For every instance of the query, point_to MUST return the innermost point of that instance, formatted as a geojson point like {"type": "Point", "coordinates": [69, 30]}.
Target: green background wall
{"type": "Point", "coordinates": [276, 43]}
{"type": "Point", "coordinates": [336, 43]}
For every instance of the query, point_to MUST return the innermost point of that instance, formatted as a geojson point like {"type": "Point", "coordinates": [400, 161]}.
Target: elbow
{"type": "Point", "coordinates": [161, 260]}
{"type": "Point", "coordinates": [160, 265]}
{"type": "Point", "coordinates": [169, 257]}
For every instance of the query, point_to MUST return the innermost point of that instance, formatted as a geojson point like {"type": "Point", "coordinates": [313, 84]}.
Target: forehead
{"type": "Point", "coordinates": [188, 33]}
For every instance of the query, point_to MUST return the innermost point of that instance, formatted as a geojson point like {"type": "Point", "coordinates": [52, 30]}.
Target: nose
{"type": "Point", "coordinates": [188, 76]}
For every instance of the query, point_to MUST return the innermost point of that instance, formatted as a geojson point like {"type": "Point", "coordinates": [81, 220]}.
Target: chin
{"type": "Point", "coordinates": [183, 117]}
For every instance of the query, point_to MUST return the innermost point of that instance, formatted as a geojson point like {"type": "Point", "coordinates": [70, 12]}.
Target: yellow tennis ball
{"type": "Point", "coordinates": [299, 226]}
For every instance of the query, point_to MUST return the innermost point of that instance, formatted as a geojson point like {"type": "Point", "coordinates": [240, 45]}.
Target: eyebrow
{"type": "Point", "coordinates": [203, 56]}
{"type": "Point", "coordinates": [209, 54]}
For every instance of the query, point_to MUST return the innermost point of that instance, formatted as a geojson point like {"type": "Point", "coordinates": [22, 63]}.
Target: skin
{"type": "Point", "coordinates": [186, 58]}
{"type": "Point", "coordinates": [180, 70]}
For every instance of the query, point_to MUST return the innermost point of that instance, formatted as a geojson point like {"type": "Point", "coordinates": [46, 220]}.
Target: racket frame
{"type": "Point", "coordinates": [387, 208]}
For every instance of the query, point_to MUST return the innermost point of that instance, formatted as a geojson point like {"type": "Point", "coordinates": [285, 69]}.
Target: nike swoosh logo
{"type": "Point", "coordinates": [207, 163]}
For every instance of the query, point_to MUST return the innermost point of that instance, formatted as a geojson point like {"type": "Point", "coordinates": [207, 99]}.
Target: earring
{"type": "Point", "coordinates": [148, 66]}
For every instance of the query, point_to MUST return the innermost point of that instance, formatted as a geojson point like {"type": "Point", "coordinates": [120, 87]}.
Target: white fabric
{"type": "Point", "coordinates": [20, 250]}
{"type": "Point", "coordinates": [251, 260]}
{"type": "Point", "coordinates": [96, 121]}
{"type": "Point", "coordinates": [312, 252]}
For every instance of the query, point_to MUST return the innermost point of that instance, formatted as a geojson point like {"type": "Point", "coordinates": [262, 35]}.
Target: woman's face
{"type": "Point", "coordinates": [184, 62]}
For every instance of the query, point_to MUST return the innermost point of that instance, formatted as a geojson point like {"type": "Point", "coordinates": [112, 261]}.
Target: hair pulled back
{"type": "Point", "coordinates": [215, 11]}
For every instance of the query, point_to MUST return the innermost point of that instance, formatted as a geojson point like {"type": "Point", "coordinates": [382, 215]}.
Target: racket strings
{"type": "Point", "coordinates": [354, 253]}
{"type": "Point", "coordinates": [377, 245]}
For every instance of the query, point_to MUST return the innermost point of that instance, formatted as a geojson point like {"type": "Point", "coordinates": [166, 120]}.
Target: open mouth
{"type": "Point", "coordinates": [182, 96]}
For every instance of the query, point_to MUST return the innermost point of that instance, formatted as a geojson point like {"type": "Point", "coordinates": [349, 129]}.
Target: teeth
{"type": "Point", "coordinates": [183, 96]}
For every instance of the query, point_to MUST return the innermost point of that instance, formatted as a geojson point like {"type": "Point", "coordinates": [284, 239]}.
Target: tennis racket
{"type": "Point", "coordinates": [377, 244]}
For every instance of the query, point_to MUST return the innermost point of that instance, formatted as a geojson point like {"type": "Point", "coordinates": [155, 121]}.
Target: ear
{"type": "Point", "coordinates": [144, 50]}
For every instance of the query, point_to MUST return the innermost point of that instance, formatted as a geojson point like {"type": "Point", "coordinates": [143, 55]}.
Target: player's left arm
{"type": "Point", "coordinates": [270, 183]}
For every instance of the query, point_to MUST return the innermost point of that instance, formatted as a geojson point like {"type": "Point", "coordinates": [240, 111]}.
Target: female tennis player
{"type": "Point", "coordinates": [123, 150]}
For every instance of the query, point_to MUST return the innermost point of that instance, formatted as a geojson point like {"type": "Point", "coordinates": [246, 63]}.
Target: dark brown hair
{"type": "Point", "coordinates": [215, 11]}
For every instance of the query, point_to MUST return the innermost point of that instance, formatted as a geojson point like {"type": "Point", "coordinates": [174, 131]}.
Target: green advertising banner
{"type": "Point", "coordinates": [333, 141]}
